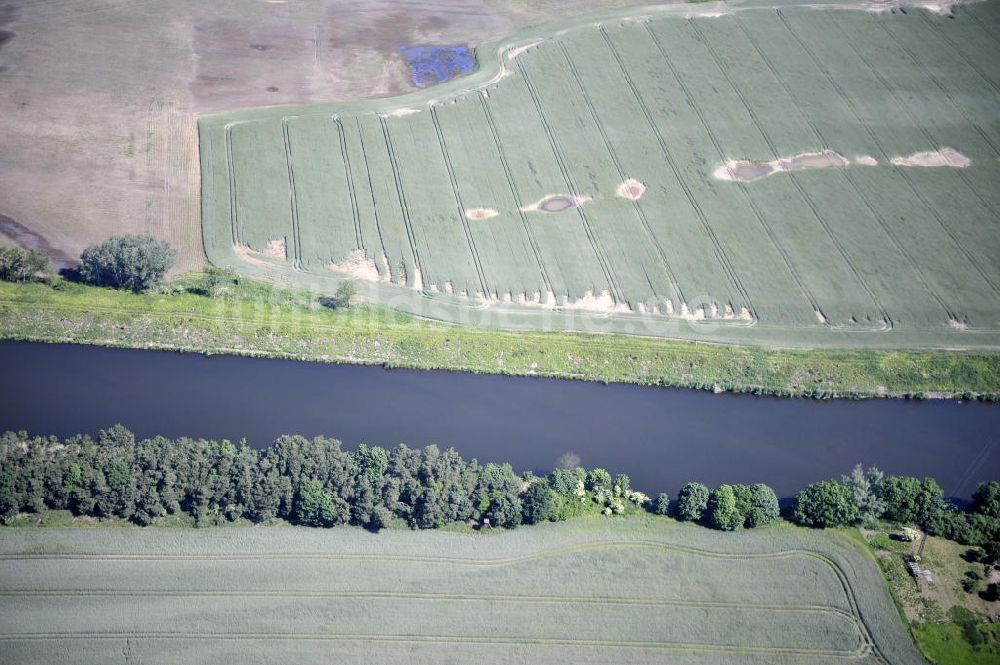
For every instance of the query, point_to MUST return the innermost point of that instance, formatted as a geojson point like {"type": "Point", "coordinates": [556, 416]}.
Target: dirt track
{"type": "Point", "coordinates": [100, 98]}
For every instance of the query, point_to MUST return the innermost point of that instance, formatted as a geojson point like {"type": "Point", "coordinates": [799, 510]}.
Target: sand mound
{"type": "Point", "coordinates": [556, 203]}
{"type": "Point", "coordinates": [631, 189]}
{"type": "Point", "coordinates": [746, 171]}
{"type": "Point", "coordinates": [357, 264]}
{"type": "Point", "coordinates": [481, 213]}
{"type": "Point", "coordinates": [933, 158]}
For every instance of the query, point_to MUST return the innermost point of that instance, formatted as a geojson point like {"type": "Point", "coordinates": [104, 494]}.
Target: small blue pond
{"type": "Point", "coordinates": [437, 64]}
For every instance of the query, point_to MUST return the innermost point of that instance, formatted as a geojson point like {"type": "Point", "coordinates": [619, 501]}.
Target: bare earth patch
{"type": "Point", "coordinates": [958, 325]}
{"type": "Point", "coordinates": [934, 158]}
{"type": "Point", "coordinates": [631, 189]}
{"type": "Point", "coordinates": [866, 160]}
{"type": "Point", "coordinates": [399, 113]}
{"type": "Point", "coordinates": [747, 171]}
{"type": "Point", "coordinates": [481, 213]}
{"type": "Point", "coordinates": [514, 52]}
{"type": "Point", "coordinates": [357, 264]}
{"type": "Point", "coordinates": [276, 249]}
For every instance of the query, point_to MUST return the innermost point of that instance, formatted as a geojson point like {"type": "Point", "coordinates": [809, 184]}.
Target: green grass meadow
{"type": "Point", "coordinates": [596, 589]}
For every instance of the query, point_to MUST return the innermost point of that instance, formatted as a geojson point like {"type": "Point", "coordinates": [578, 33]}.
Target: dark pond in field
{"type": "Point", "coordinates": [662, 438]}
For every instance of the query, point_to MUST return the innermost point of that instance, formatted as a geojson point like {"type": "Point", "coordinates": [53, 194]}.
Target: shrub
{"type": "Point", "coordinates": [598, 479]}
{"type": "Point", "coordinates": [622, 484]}
{"type": "Point", "coordinates": [341, 299]}
{"type": "Point", "coordinates": [825, 504]}
{"type": "Point", "coordinates": [539, 504]}
{"type": "Point", "coordinates": [564, 482]}
{"type": "Point", "coordinates": [129, 261]}
{"type": "Point", "coordinates": [692, 501]}
{"type": "Point", "coordinates": [721, 512]}
{"type": "Point", "coordinates": [661, 504]}
{"type": "Point", "coordinates": [20, 265]}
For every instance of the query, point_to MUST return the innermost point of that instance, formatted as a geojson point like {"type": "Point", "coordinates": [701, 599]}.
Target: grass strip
{"type": "Point", "coordinates": [255, 319]}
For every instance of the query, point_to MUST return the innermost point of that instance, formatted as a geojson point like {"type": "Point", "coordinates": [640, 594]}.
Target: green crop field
{"type": "Point", "coordinates": [591, 590]}
{"type": "Point", "coordinates": [761, 173]}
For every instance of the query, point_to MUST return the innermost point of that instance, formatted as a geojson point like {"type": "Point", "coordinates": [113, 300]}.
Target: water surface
{"type": "Point", "coordinates": [661, 437]}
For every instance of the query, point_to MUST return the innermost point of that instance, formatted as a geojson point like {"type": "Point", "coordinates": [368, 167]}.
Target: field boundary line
{"type": "Point", "coordinates": [532, 240]}
{"type": "Point", "coordinates": [636, 207]}
{"type": "Point", "coordinates": [916, 190]}
{"type": "Point", "coordinates": [477, 261]}
{"type": "Point", "coordinates": [293, 198]}
{"type": "Point", "coordinates": [724, 70]}
{"type": "Point", "coordinates": [355, 212]}
{"type": "Point", "coordinates": [613, 284]}
{"type": "Point", "coordinates": [699, 213]}
{"type": "Point", "coordinates": [403, 208]}
{"type": "Point", "coordinates": [826, 144]}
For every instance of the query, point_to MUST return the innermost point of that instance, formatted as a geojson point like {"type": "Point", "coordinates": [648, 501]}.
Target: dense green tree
{"type": "Point", "coordinates": [825, 504]}
{"type": "Point", "coordinates": [908, 499]}
{"type": "Point", "coordinates": [564, 482]}
{"type": "Point", "coordinates": [757, 503]}
{"type": "Point", "coordinates": [598, 479]}
{"type": "Point", "coordinates": [865, 486]}
{"type": "Point", "coordinates": [986, 499]}
{"type": "Point", "coordinates": [539, 503]}
{"type": "Point", "coordinates": [136, 262]}
{"type": "Point", "coordinates": [622, 483]}
{"type": "Point", "coordinates": [504, 511]}
{"type": "Point", "coordinates": [721, 512]}
{"type": "Point", "coordinates": [692, 501]}
{"type": "Point", "coordinates": [661, 504]}
{"type": "Point", "coordinates": [372, 463]}
{"type": "Point", "coordinates": [314, 505]}
{"type": "Point", "coordinates": [20, 265]}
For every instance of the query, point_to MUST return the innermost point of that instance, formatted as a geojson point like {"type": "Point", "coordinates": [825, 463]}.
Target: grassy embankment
{"type": "Point", "coordinates": [249, 318]}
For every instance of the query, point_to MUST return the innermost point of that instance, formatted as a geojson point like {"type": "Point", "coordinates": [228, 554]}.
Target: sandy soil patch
{"type": "Point", "coordinates": [418, 279]}
{"type": "Point", "coordinates": [514, 52]}
{"type": "Point", "coordinates": [556, 203]}
{"type": "Point", "coordinates": [399, 113]}
{"type": "Point", "coordinates": [820, 317]}
{"type": "Point", "coordinates": [866, 160]}
{"type": "Point", "coordinates": [697, 315]}
{"type": "Point", "coordinates": [480, 213]}
{"type": "Point", "coordinates": [386, 269]}
{"type": "Point", "coordinates": [934, 158]}
{"type": "Point", "coordinates": [747, 171]}
{"type": "Point", "coordinates": [631, 189]}
{"type": "Point", "coordinates": [357, 264]}
{"type": "Point", "coordinates": [958, 325]}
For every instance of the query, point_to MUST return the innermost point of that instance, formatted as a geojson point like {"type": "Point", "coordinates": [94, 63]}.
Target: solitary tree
{"type": "Point", "coordinates": [692, 501]}
{"type": "Point", "coordinates": [129, 261]}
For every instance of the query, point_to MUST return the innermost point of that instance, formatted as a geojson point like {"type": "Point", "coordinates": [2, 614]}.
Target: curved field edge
{"type": "Point", "coordinates": [453, 309]}
{"type": "Point", "coordinates": [366, 335]}
{"type": "Point", "coordinates": [865, 592]}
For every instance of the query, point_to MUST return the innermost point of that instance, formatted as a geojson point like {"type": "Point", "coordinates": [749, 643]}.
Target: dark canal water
{"type": "Point", "coordinates": [662, 438]}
